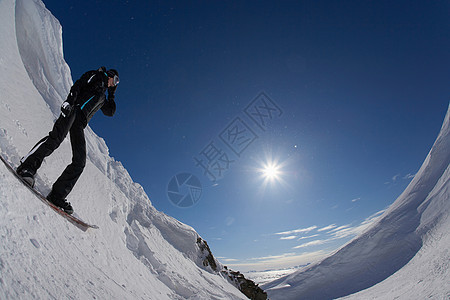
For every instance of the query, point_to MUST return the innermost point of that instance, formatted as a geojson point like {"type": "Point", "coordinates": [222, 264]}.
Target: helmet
{"type": "Point", "coordinates": [112, 72]}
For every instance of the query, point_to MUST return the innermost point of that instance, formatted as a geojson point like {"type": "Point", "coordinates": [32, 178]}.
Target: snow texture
{"type": "Point", "coordinates": [138, 252]}
{"type": "Point", "coordinates": [404, 255]}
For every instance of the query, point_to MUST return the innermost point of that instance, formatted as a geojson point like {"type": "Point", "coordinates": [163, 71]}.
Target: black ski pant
{"type": "Point", "coordinates": [73, 123]}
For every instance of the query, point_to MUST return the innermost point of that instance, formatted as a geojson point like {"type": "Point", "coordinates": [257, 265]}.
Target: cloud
{"type": "Point", "coordinates": [328, 234]}
{"type": "Point", "coordinates": [409, 176]}
{"type": "Point", "coordinates": [229, 259]}
{"type": "Point", "coordinates": [395, 177]}
{"type": "Point", "coordinates": [272, 257]}
{"type": "Point", "coordinates": [346, 230]}
{"type": "Point", "coordinates": [291, 237]}
{"type": "Point", "coordinates": [343, 231]}
{"type": "Point", "coordinates": [327, 227]}
{"type": "Point", "coordinates": [301, 230]}
{"type": "Point", "coordinates": [229, 221]}
{"type": "Point", "coordinates": [333, 232]}
{"type": "Point", "coordinates": [374, 217]}
{"type": "Point", "coordinates": [313, 243]}
{"type": "Point", "coordinates": [339, 228]}
{"type": "Point", "coordinates": [356, 199]}
{"type": "Point", "coordinates": [307, 237]}
{"type": "Point", "coordinates": [285, 260]}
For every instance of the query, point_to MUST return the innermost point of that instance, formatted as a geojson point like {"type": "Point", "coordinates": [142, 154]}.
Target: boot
{"type": "Point", "coordinates": [61, 203]}
{"type": "Point", "coordinates": [27, 175]}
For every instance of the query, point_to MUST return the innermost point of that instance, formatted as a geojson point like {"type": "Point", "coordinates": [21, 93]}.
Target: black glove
{"type": "Point", "coordinates": [66, 109]}
{"type": "Point", "coordinates": [112, 90]}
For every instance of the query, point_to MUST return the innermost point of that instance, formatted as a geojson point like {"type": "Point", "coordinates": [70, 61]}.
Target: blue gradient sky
{"type": "Point", "coordinates": [362, 87]}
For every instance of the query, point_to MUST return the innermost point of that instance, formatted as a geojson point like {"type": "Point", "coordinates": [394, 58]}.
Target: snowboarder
{"type": "Point", "coordinates": [86, 97]}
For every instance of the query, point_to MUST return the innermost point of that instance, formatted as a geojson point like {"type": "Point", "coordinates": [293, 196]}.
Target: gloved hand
{"type": "Point", "coordinates": [112, 90]}
{"type": "Point", "coordinates": [66, 109]}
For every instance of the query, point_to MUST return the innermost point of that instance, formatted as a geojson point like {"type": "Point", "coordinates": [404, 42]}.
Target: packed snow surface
{"type": "Point", "coordinates": [138, 252]}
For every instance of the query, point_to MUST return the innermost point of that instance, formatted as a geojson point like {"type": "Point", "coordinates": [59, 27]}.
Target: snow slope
{"type": "Point", "coordinates": [138, 252]}
{"type": "Point", "coordinates": [404, 255]}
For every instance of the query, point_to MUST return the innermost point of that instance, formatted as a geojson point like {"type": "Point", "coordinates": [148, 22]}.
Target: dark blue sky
{"type": "Point", "coordinates": [362, 87]}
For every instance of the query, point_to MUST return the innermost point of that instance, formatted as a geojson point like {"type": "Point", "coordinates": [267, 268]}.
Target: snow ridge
{"type": "Point", "coordinates": [48, 71]}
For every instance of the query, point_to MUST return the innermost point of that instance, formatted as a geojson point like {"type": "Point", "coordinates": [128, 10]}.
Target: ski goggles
{"type": "Point", "coordinates": [116, 80]}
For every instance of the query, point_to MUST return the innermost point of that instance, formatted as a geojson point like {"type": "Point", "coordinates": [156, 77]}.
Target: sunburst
{"type": "Point", "coordinates": [271, 171]}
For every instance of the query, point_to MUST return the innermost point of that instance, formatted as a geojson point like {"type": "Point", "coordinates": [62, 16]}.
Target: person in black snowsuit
{"type": "Point", "coordinates": [86, 97]}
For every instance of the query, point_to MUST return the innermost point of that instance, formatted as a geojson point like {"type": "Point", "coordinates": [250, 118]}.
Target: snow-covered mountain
{"type": "Point", "coordinates": [138, 252]}
{"type": "Point", "coordinates": [404, 255]}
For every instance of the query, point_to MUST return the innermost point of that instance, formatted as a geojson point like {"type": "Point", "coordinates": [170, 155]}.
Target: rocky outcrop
{"type": "Point", "coordinates": [208, 258]}
{"type": "Point", "coordinates": [246, 286]}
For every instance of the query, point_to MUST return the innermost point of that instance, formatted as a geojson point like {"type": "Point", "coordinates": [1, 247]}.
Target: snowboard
{"type": "Point", "coordinates": [72, 219]}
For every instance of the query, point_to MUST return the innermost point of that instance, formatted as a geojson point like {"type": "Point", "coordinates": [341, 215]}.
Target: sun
{"type": "Point", "coordinates": [271, 171]}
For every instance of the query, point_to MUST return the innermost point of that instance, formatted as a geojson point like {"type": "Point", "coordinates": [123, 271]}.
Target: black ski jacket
{"type": "Point", "coordinates": [88, 94]}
